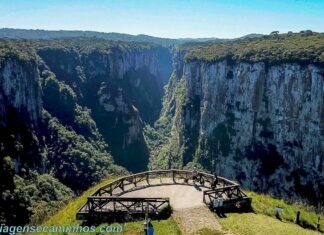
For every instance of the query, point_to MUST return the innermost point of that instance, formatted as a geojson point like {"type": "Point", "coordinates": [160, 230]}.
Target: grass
{"type": "Point", "coordinates": [263, 204]}
{"type": "Point", "coordinates": [163, 227]}
{"type": "Point", "coordinates": [207, 231]}
{"type": "Point", "coordinates": [66, 216]}
{"type": "Point", "coordinates": [258, 224]}
{"type": "Point", "coordinates": [263, 220]}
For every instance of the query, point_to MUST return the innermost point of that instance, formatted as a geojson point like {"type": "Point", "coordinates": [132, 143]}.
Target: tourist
{"type": "Point", "coordinates": [214, 182]}
{"type": "Point", "coordinates": [149, 229]}
{"type": "Point", "coordinates": [194, 175]}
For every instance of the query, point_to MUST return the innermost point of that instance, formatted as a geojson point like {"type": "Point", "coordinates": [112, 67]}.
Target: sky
{"type": "Point", "coordinates": [166, 18]}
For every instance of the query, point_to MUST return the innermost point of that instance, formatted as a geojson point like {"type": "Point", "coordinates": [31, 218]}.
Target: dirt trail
{"type": "Point", "coordinates": [193, 219]}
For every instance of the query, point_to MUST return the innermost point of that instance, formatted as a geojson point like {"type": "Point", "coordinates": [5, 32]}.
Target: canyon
{"type": "Point", "coordinates": [78, 110]}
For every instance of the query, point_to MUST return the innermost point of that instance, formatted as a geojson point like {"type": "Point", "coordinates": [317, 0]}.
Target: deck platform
{"type": "Point", "coordinates": [128, 195]}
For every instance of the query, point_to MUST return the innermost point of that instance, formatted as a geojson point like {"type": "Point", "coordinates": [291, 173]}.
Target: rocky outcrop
{"type": "Point", "coordinates": [257, 123]}
{"type": "Point", "coordinates": [138, 76]}
{"type": "Point", "coordinates": [20, 89]}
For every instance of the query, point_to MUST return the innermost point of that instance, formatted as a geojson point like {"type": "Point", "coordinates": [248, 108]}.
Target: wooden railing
{"type": "Point", "coordinates": [130, 205]}
{"type": "Point", "coordinates": [107, 200]}
{"type": "Point", "coordinates": [178, 177]}
{"type": "Point", "coordinates": [227, 193]}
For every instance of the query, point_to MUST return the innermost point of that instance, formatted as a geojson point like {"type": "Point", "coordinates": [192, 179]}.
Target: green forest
{"type": "Point", "coordinates": [303, 47]}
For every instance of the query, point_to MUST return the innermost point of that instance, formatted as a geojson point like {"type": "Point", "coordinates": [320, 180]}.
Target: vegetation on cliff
{"type": "Point", "coordinates": [73, 142]}
{"type": "Point", "coordinates": [303, 47]}
{"type": "Point", "coordinates": [64, 34]}
{"type": "Point", "coordinates": [16, 49]}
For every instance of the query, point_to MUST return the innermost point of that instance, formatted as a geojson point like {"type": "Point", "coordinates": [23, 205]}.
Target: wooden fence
{"type": "Point", "coordinates": [109, 200]}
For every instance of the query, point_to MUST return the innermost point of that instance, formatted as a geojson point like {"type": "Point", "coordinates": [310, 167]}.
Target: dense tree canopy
{"type": "Point", "coordinates": [305, 46]}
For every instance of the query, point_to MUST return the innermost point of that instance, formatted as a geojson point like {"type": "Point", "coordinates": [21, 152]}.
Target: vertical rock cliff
{"type": "Point", "coordinates": [20, 109]}
{"type": "Point", "coordinates": [20, 88]}
{"type": "Point", "coordinates": [121, 84]}
{"type": "Point", "coordinates": [70, 109]}
{"type": "Point", "coordinates": [258, 123]}
{"type": "Point", "coordinates": [21, 159]}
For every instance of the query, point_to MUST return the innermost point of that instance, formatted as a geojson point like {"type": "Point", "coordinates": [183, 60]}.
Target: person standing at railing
{"type": "Point", "coordinates": [195, 175]}
{"type": "Point", "coordinates": [214, 182]}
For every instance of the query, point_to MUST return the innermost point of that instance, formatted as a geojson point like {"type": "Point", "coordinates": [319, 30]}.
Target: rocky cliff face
{"type": "Point", "coordinates": [20, 112]}
{"type": "Point", "coordinates": [20, 89]}
{"type": "Point", "coordinates": [260, 124]}
{"type": "Point", "coordinates": [72, 109]}
{"type": "Point", "coordinates": [123, 87]}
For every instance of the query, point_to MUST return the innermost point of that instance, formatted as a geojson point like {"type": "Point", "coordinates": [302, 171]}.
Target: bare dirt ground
{"type": "Point", "coordinates": [181, 196]}
{"type": "Point", "coordinates": [193, 219]}
{"type": "Point", "coordinates": [189, 210]}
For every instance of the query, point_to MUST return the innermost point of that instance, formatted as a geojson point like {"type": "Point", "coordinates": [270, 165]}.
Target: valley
{"type": "Point", "coordinates": [74, 111]}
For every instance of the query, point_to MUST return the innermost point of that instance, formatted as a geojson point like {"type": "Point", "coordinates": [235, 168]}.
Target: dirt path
{"type": "Point", "coordinates": [193, 219]}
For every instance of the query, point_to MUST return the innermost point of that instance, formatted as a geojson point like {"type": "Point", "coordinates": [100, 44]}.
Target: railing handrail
{"type": "Point", "coordinates": [127, 198]}
{"type": "Point", "coordinates": [156, 172]}
{"type": "Point", "coordinates": [220, 189]}
{"type": "Point", "coordinates": [110, 193]}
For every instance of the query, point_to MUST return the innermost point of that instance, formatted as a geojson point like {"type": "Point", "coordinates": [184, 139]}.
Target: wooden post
{"type": "Point", "coordinates": [173, 176]}
{"type": "Point", "coordinates": [160, 178]}
{"type": "Point", "coordinates": [122, 185]}
{"type": "Point", "coordinates": [90, 205]}
{"type": "Point", "coordinates": [298, 217]}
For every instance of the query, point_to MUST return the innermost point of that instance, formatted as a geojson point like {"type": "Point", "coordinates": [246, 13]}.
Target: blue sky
{"type": "Point", "coordinates": [166, 18]}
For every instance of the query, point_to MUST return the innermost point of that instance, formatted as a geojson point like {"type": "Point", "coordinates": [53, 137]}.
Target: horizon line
{"type": "Point", "coordinates": [150, 35]}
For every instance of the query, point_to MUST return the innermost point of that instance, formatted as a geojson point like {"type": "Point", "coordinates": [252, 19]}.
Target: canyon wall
{"type": "Point", "coordinates": [123, 88]}
{"type": "Point", "coordinates": [70, 111]}
{"type": "Point", "coordinates": [257, 123]}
